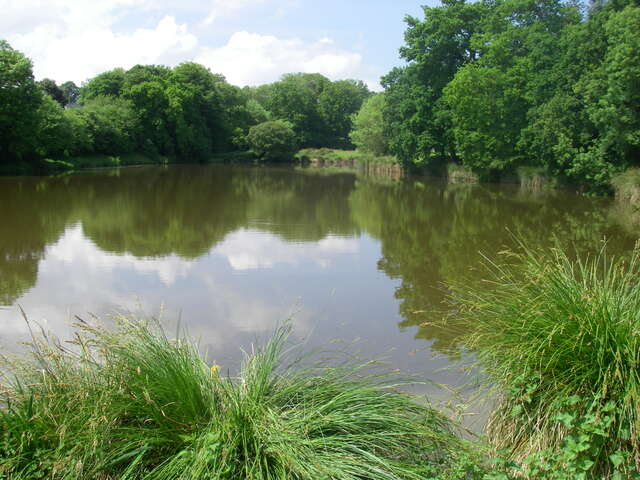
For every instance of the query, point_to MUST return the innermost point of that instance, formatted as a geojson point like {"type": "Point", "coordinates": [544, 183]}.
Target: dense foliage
{"type": "Point", "coordinates": [273, 140]}
{"type": "Point", "coordinates": [496, 85]}
{"type": "Point", "coordinates": [183, 113]}
{"type": "Point", "coordinates": [319, 110]}
{"type": "Point", "coordinates": [368, 127]}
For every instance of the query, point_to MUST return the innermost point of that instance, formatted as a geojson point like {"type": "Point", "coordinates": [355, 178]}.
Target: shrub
{"type": "Point", "coordinates": [273, 140]}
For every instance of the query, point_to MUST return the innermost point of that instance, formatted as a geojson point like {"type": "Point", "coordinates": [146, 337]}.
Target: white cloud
{"type": "Point", "coordinates": [225, 8]}
{"type": "Point", "coordinates": [64, 54]}
{"type": "Point", "coordinates": [21, 17]}
{"type": "Point", "coordinates": [253, 59]}
{"type": "Point", "coordinates": [74, 248]}
{"type": "Point", "coordinates": [77, 39]}
{"type": "Point", "coordinates": [251, 249]}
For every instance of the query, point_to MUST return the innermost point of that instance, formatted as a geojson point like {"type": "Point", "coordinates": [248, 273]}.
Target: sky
{"type": "Point", "coordinates": [251, 42]}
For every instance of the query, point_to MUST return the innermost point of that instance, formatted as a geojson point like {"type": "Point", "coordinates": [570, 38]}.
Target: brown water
{"type": "Point", "coordinates": [232, 252]}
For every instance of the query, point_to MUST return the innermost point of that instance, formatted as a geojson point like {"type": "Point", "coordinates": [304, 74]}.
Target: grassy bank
{"type": "Point", "coordinates": [131, 403]}
{"type": "Point", "coordinates": [558, 340]}
{"type": "Point", "coordinates": [329, 156]}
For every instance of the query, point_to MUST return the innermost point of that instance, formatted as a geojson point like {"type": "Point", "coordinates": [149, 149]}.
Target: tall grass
{"type": "Point", "coordinates": [130, 403]}
{"type": "Point", "coordinates": [559, 338]}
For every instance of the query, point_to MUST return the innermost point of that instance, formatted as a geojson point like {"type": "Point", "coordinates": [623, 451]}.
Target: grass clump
{"type": "Point", "coordinates": [560, 341]}
{"type": "Point", "coordinates": [130, 403]}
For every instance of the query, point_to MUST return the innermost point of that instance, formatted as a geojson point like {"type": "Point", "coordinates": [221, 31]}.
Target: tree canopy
{"type": "Point", "coordinates": [500, 84]}
{"type": "Point", "coordinates": [273, 140]}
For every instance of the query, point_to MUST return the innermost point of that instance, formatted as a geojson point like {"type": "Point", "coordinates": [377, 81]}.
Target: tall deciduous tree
{"type": "Point", "coordinates": [337, 103]}
{"type": "Point", "coordinates": [51, 88]}
{"type": "Point", "coordinates": [71, 92]}
{"type": "Point", "coordinates": [418, 121]}
{"type": "Point", "coordinates": [491, 98]}
{"type": "Point", "coordinates": [295, 99]}
{"type": "Point", "coordinates": [20, 98]}
{"type": "Point", "coordinates": [108, 83]}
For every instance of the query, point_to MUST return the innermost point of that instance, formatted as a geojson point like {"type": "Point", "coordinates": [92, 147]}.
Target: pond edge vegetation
{"type": "Point", "coordinates": [131, 403]}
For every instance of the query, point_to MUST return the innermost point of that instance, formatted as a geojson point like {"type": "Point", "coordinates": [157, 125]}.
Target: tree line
{"type": "Point", "coordinates": [496, 85]}
{"type": "Point", "coordinates": [185, 113]}
{"type": "Point", "coordinates": [493, 85]}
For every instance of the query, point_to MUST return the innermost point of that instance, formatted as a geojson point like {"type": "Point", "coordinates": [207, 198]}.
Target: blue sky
{"type": "Point", "coordinates": [249, 41]}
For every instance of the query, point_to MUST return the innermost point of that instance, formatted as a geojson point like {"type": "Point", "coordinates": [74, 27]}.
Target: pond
{"type": "Point", "coordinates": [357, 263]}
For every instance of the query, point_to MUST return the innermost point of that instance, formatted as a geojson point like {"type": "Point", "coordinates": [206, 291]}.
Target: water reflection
{"type": "Point", "coordinates": [234, 251]}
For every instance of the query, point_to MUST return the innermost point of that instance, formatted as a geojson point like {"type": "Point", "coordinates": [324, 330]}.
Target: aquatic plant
{"type": "Point", "coordinates": [131, 403]}
{"type": "Point", "coordinates": [558, 338]}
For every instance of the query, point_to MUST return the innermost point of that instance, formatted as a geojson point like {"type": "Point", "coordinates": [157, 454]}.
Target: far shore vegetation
{"type": "Point", "coordinates": [543, 92]}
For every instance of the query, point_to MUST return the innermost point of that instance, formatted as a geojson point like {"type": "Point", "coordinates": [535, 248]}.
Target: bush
{"type": "Point", "coordinates": [133, 404]}
{"type": "Point", "coordinates": [558, 339]}
{"type": "Point", "coordinates": [273, 140]}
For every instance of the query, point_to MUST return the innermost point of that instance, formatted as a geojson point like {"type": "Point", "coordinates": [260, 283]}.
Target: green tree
{"type": "Point", "coordinates": [295, 99]}
{"type": "Point", "coordinates": [337, 103]}
{"type": "Point", "coordinates": [51, 88]}
{"type": "Point", "coordinates": [585, 131]}
{"type": "Point", "coordinates": [257, 112]}
{"type": "Point", "coordinates": [71, 92]}
{"type": "Point", "coordinates": [417, 120]}
{"type": "Point", "coordinates": [54, 134]}
{"type": "Point", "coordinates": [151, 106]}
{"type": "Point", "coordinates": [108, 83]}
{"type": "Point", "coordinates": [487, 112]}
{"type": "Point", "coordinates": [368, 126]}
{"type": "Point", "coordinates": [20, 98]}
{"type": "Point", "coordinates": [111, 124]}
{"type": "Point", "coordinates": [273, 140]}
{"type": "Point", "coordinates": [612, 90]}
{"type": "Point", "coordinates": [492, 99]}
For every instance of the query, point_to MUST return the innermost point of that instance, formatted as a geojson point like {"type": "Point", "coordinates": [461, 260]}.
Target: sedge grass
{"type": "Point", "coordinates": [130, 403]}
{"type": "Point", "coordinates": [559, 340]}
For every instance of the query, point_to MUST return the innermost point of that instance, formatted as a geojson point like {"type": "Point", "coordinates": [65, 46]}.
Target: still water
{"type": "Point", "coordinates": [357, 263]}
